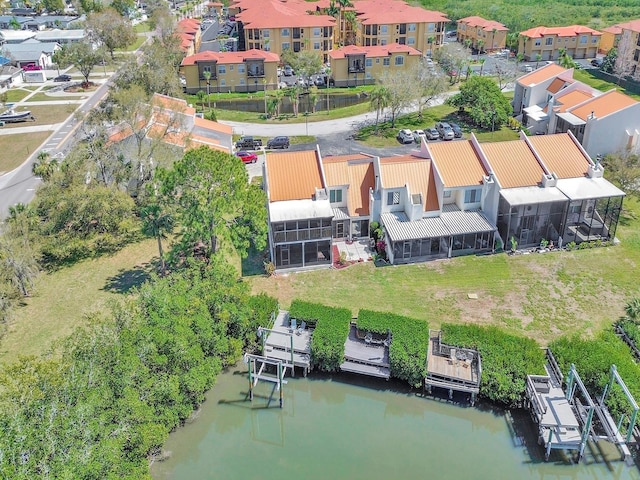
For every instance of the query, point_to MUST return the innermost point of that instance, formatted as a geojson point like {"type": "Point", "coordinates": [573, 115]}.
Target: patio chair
{"type": "Point", "coordinates": [294, 325]}
{"type": "Point", "coordinates": [301, 328]}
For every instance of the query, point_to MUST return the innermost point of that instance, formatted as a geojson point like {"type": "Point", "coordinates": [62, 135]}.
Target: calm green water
{"type": "Point", "coordinates": [350, 427]}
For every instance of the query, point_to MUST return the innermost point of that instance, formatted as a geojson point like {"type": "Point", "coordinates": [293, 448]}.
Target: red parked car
{"type": "Point", "coordinates": [31, 67]}
{"type": "Point", "coordinates": [247, 157]}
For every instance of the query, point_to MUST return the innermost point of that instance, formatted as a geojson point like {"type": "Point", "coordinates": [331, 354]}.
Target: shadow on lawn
{"type": "Point", "coordinates": [253, 264]}
{"type": "Point", "coordinates": [127, 279]}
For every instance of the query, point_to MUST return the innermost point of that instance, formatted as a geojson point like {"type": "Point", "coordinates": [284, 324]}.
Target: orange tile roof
{"type": "Point", "coordinates": [614, 29]}
{"type": "Point", "coordinates": [458, 163]}
{"type": "Point", "coordinates": [486, 25]}
{"type": "Point", "coordinates": [293, 175]}
{"type": "Point", "coordinates": [603, 105]}
{"type": "Point", "coordinates": [416, 172]}
{"type": "Point", "coordinates": [230, 57]}
{"type": "Point", "coordinates": [633, 25]}
{"type": "Point", "coordinates": [570, 31]}
{"type": "Point", "coordinates": [355, 170]}
{"type": "Point", "coordinates": [281, 14]}
{"type": "Point", "coordinates": [560, 155]}
{"type": "Point", "coordinates": [386, 12]}
{"type": "Point", "coordinates": [215, 126]}
{"type": "Point", "coordinates": [171, 103]}
{"type": "Point", "coordinates": [570, 99]}
{"type": "Point", "coordinates": [374, 51]}
{"type": "Point", "coordinates": [556, 85]}
{"type": "Point", "coordinates": [513, 163]}
{"type": "Point", "coordinates": [541, 74]}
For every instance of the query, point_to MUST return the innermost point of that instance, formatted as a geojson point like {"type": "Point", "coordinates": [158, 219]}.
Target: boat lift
{"type": "Point", "coordinates": [256, 364]}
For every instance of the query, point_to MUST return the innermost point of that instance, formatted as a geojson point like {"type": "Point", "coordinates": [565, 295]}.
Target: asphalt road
{"type": "Point", "coordinates": [19, 186]}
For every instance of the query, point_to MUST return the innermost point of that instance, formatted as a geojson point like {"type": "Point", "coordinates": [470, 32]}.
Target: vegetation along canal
{"type": "Point", "coordinates": [346, 426]}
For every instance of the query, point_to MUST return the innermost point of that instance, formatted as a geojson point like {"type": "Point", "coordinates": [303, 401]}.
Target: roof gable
{"type": "Point", "coordinates": [458, 163]}
{"type": "Point", "coordinates": [513, 163]}
{"type": "Point", "coordinates": [293, 175]}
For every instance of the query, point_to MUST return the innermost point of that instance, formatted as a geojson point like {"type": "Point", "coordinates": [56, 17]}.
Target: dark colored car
{"type": "Point", "coordinates": [278, 142]}
{"type": "Point", "coordinates": [247, 157]}
{"type": "Point", "coordinates": [62, 78]}
{"type": "Point", "coordinates": [596, 62]}
{"type": "Point", "coordinates": [457, 131]}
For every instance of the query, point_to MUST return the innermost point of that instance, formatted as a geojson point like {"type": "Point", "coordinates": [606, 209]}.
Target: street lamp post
{"type": "Point", "coordinates": [493, 122]}
{"type": "Point", "coordinates": [306, 122]}
{"type": "Point", "coordinates": [264, 83]}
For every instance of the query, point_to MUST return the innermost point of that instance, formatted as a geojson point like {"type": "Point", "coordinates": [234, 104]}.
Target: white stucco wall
{"type": "Point", "coordinates": [609, 134]}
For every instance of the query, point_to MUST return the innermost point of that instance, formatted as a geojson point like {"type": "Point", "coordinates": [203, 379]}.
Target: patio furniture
{"type": "Point", "coordinates": [301, 328]}
{"type": "Point", "coordinates": [294, 325]}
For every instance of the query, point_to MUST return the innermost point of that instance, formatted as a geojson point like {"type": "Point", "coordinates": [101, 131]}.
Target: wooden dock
{"type": "Point", "coordinates": [292, 347]}
{"type": "Point", "coordinates": [452, 368]}
{"type": "Point", "coordinates": [366, 357]}
{"type": "Point", "coordinates": [558, 426]}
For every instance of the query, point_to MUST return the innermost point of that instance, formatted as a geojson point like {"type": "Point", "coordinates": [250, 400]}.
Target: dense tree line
{"type": "Point", "coordinates": [105, 404]}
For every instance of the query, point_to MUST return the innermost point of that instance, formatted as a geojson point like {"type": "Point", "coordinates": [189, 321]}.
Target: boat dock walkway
{"type": "Point", "coordinates": [367, 355]}
{"type": "Point", "coordinates": [452, 368]}
{"type": "Point", "coordinates": [290, 345]}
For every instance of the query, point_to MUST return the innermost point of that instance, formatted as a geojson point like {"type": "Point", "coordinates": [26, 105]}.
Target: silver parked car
{"type": "Point", "coordinates": [445, 131]}
{"type": "Point", "coordinates": [431, 133]}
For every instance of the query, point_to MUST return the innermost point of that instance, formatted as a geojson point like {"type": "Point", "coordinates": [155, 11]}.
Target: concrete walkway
{"type": "Point", "coordinates": [322, 127]}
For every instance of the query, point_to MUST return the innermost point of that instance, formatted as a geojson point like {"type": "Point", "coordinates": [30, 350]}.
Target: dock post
{"type": "Point", "coordinates": [293, 367]}
{"type": "Point", "coordinates": [632, 424]}
{"type": "Point", "coordinates": [280, 384]}
{"type": "Point", "coordinates": [548, 452]}
{"type": "Point", "coordinates": [250, 364]}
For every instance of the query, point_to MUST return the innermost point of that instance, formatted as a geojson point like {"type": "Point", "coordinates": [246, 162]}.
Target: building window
{"type": "Point", "coordinates": [265, 33]}
{"type": "Point", "coordinates": [368, 76]}
{"type": "Point", "coordinates": [317, 32]}
{"type": "Point", "coordinates": [285, 32]}
{"type": "Point", "coordinates": [240, 68]}
{"type": "Point", "coordinates": [537, 42]}
{"type": "Point", "coordinates": [206, 68]}
{"type": "Point", "coordinates": [583, 39]}
{"type": "Point", "coordinates": [368, 62]}
{"type": "Point", "coordinates": [377, 60]}
{"type": "Point", "coordinates": [223, 83]}
{"type": "Point", "coordinates": [412, 27]}
{"type": "Point", "coordinates": [447, 194]}
{"type": "Point", "coordinates": [383, 29]}
{"type": "Point", "coordinates": [316, 45]}
{"type": "Point", "coordinates": [393, 198]}
{"type": "Point", "coordinates": [286, 45]}
{"type": "Point", "coordinates": [335, 196]}
{"type": "Point", "coordinates": [383, 41]}
{"type": "Point", "coordinates": [549, 41]}
{"type": "Point", "coordinates": [230, 68]}
{"type": "Point", "coordinates": [386, 62]}
{"type": "Point", "coordinates": [636, 56]}
{"type": "Point", "coordinates": [399, 61]}
{"type": "Point", "coordinates": [431, 27]}
{"type": "Point", "coordinates": [594, 40]}
{"type": "Point", "coordinates": [242, 81]}
{"type": "Point", "coordinates": [222, 69]}
{"type": "Point", "coordinates": [472, 196]}
{"type": "Point", "coordinates": [411, 41]}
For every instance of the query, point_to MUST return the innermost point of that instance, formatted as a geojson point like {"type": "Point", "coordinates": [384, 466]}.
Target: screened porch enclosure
{"type": "Point", "coordinates": [302, 243]}
{"type": "Point", "coordinates": [342, 228]}
{"type": "Point", "coordinates": [306, 254]}
{"type": "Point", "coordinates": [592, 219]}
{"type": "Point", "coordinates": [530, 223]}
{"type": "Point", "coordinates": [420, 249]}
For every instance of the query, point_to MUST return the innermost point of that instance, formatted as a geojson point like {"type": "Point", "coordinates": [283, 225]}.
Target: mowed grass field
{"type": "Point", "coordinates": [17, 148]}
{"type": "Point", "coordinates": [542, 296]}
{"type": "Point", "coordinates": [65, 299]}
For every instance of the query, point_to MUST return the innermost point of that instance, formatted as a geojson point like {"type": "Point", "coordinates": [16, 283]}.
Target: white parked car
{"type": "Point", "coordinates": [418, 135]}
{"type": "Point", "coordinates": [405, 136]}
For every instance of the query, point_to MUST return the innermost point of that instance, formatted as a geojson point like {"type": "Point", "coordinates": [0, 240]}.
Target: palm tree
{"type": "Point", "coordinates": [292, 93]}
{"type": "Point", "coordinates": [343, 4]}
{"type": "Point", "coordinates": [482, 60]}
{"type": "Point", "coordinates": [350, 19]}
{"type": "Point", "coordinates": [480, 46]}
{"type": "Point", "coordinates": [430, 41]}
{"type": "Point", "coordinates": [157, 223]}
{"type": "Point", "coordinates": [207, 77]}
{"type": "Point", "coordinates": [538, 58]}
{"type": "Point", "coordinates": [44, 167]}
{"type": "Point", "coordinates": [632, 309]}
{"type": "Point", "coordinates": [379, 99]}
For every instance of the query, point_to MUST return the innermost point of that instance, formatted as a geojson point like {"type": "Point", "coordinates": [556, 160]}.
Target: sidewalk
{"type": "Point", "coordinates": [322, 127]}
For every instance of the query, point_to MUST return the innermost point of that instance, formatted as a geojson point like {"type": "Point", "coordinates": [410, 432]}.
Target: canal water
{"type": "Point", "coordinates": [349, 427]}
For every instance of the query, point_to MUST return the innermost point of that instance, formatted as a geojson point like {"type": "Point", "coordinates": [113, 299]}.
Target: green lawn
{"type": "Point", "coordinates": [17, 148]}
{"type": "Point", "coordinates": [585, 77]}
{"type": "Point", "coordinates": [16, 94]}
{"type": "Point", "coordinates": [543, 296]}
{"type": "Point", "coordinates": [386, 136]}
{"type": "Point", "coordinates": [64, 298]}
{"type": "Point", "coordinates": [45, 114]}
{"type": "Point", "coordinates": [142, 27]}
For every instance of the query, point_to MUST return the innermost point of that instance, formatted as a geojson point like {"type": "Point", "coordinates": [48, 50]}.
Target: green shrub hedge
{"type": "Point", "coordinates": [506, 360]}
{"type": "Point", "coordinates": [331, 331]}
{"type": "Point", "coordinates": [632, 330]}
{"type": "Point", "coordinates": [593, 359]}
{"type": "Point", "coordinates": [410, 342]}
